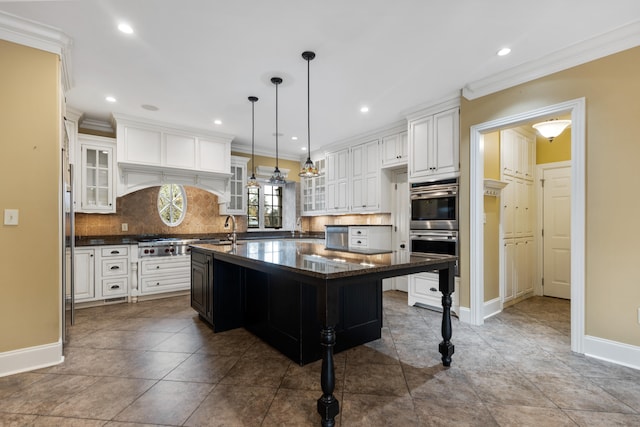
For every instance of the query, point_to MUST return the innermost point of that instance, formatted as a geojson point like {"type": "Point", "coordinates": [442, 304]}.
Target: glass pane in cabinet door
{"type": "Point", "coordinates": [103, 178]}
{"type": "Point", "coordinates": [103, 159]}
{"type": "Point", "coordinates": [91, 195]}
{"type": "Point", "coordinates": [91, 177]}
{"type": "Point", "coordinates": [91, 158]}
{"type": "Point", "coordinates": [103, 197]}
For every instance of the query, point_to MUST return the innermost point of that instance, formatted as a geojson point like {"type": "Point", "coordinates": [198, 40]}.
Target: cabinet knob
{"type": "Point", "coordinates": [158, 284]}
{"type": "Point", "coordinates": [433, 289]}
{"type": "Point", "coordinates": [359, 242]}
{"type": "Point", "coordinates": [402, 246]}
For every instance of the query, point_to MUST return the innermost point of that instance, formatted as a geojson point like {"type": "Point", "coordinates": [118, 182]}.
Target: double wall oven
{"type": "Point", "coordinates": [434, 217]}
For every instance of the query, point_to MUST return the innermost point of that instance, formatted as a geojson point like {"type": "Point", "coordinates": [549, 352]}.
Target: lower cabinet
{"type": "Point", "coordinates": [164, 274]}
{"type": "Point", "coordinates": [83, 274]}
{"type": "Point", "coordinates": [202, 285]}
{"type": "Point", "coordinates": [519, 263]}
{"type": "Point", "coordinates": [100, 272]}
{"type": "Point", "coordinates": [423, 290]}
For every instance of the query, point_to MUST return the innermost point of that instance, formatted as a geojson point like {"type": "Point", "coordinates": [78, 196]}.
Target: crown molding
{"type": "Point", "coordinates": [246, 149]}
{"type": "Point", "coordinates": [39, 36]}
{"type": "Point", "coordinates": [622, 38]}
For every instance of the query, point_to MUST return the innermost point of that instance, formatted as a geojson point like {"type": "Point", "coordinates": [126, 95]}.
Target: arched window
{"type": "Point", "coordinates": [172, 204]}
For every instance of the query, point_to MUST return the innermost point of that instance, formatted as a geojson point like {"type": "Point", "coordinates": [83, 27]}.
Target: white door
{"type": "Point", "coordinates": [557, 232]}
{"type": "Point", "coordinates": [400, 223]}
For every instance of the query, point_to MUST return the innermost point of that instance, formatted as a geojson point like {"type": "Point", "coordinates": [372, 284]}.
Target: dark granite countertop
{"type": "Point", "coordinates": [313, 259]}
{"type": "Point", "coordinates": [134, 239]}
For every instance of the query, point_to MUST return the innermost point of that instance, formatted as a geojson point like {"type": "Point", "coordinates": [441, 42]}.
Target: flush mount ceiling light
{"type": "Point", "coordinates": [125, 28]}
{"type": "Point", "coordinates": [504, 51]}
{"type": "Point", "coordinates": [277, 177]}
{"type": "Point", "coordinates": [253, 182]}
{"type": "Point", "coordinates": [309, 170]}
{"type": "Point", "coordinates": [551, 128]}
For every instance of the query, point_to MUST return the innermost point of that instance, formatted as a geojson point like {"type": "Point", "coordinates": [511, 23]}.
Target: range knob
{"type": "Point", "coordinates": [152, 251]}
{"type": "Point", "coordinates": [172, 250]}
{"type": "Point", "coordinates": [166, 250]}
{"type": "Point", "coordinates": [146, 251]}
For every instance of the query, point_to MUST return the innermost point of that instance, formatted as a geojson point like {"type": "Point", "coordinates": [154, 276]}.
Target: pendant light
{"type": "Point", "coordinates": [253, 182]}
{"type": "Point", "coordinates": [277, 177]}
{"type": "Point", "coordinates": [309, 170]}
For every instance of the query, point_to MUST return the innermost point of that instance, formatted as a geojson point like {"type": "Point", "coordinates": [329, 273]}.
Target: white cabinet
{"type": "Point", "coordinates": [165, 274]}
{"type": "Point", "coordinates": [394, 149]}
{"type": "Point", "coordinates": [424, 290]}
{"type": "Point", "coordinates": [313, 191]}
{"type": "Point", "coordinates": [370, 237]}
{"type": "Point", "coordinates": [83, 274]}
{"type": "Point", "coordinates": [337, 181]}
{"type": "Point", "coordinates": [236, 188]}
{"type": "Point", "coordinates": [114, 272]}
{"type": "Point", "coordinates": [97, 174]}
{"type": "Point", "coordinates": [517, 159]}
{"type": "Point", "coordinates": [365, 177]}
{"type": "Point", "coordinates": [434, 142]}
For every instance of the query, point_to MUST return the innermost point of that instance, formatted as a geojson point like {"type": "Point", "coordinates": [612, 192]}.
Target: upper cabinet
{"type": "Point", "coordinates": [518, 153]}
{"type": "Point", "coordinates": [97, 177]}
{"type": "Point", "coordinates": [434, 144]}
{"type": "Point", "coordinates": [337, 181]}
{"type": "Point", "coordinates": [151, 153]}
{"type": "Point", "coordinates": [365, 177]}
{"type": "Point", "coordinates": [394, 149]}
{"type": "Point", "coordinates": [236, 193]}
{"type": "Point", "coordinates": [314, 200]}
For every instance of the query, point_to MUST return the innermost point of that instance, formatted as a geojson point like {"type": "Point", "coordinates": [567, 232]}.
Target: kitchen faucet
{"type": "Point", "coordinates": [233, 237]}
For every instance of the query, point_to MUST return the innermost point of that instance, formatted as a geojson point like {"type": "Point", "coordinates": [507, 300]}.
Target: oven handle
{"type": "Point", "coordinates": [439, 194]}
{"type": "Point", "coordinates": [435, 238]}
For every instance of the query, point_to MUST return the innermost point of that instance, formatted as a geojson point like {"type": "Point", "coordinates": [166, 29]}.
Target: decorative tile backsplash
{"type": "Point", "coordinates": [139, 211]}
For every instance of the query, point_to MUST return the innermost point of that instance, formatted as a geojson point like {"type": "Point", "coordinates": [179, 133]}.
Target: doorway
{"type": "Point", "coordinates": [476, 197]}
{"type": "Point", "coordinates": [400, 224]}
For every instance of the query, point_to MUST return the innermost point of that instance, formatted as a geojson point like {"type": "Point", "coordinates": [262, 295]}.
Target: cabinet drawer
{"type": "Point", "coordinates": [165, 265]}
{"type": "Point", "coordinates": [358, 232]}
{"type": "Point", "coordinates": [115, 287]}
{"type": "Point", "coordinates": [424, 287]}
{"type": "Point", "coordinates": [165, 283]}
{"type": "Point", "coordinates": [115, 267]}
{"type": "Point", "coordinates": [358, 242]}
{"type": "Point", "coordinates": [114, 251]}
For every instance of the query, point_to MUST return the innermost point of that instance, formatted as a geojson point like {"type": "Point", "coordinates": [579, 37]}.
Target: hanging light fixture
{"type": "Point", "coordinates": [277, 177]}
{"type": "Point", "coordinates": [253, 182]}
{"type": "Point", "coordinates": [551, 128]}
{"type": "Point", "coordinates": [308, 170]}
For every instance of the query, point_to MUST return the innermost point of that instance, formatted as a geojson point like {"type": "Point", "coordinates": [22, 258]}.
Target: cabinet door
{"type": "Point", "coordinates": [420, 146]}
{"type": "Point", "coordinates": [521, 267]}
{"type": "Point", "coordinates": [365, 173]}
{"type": "Point", "coordinates": [508, 152]}
{"type": "Point", "coordinates": [446, 140]}
{"type": "Point", "coordinates": [509, 270]}
{"type": "Point", "coordinates": [508, 199]}
{"type": "Point", "coordinates": [84, 274]}
{"type": "Point", "coordinates": [337, 177]}
{"type": "Point", "coordinates": [97, 192]}
{"type": "Point", "coordinates": [394, 149]}
{"type": "Point", "coordinates": [199, 285]}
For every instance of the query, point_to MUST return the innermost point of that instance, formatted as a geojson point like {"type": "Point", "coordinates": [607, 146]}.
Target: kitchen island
{"type": "Point", "coordinates": [286, 292]}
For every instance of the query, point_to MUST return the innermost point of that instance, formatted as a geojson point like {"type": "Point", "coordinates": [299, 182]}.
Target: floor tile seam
{"type": "Point", "coordinates": [266, 413]}
{"type": "Point", "coordinates": [134, 400]}
{"type": "Point", "coordinates": [104, 422]}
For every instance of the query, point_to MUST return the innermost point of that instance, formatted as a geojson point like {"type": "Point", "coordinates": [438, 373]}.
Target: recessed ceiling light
{"type": "Point", "coordinates": [149, 107]}
{"type": "Point", "coordinates": [304, 148]}
{"type": "Point", "coordinates": [217, 121]}
{"type": "Point", "coordinates": [294, 138]}
{"type": "Point", "coordinates": [364, 109]}
{"type": "Point", "coordinates": [125, 28]}
{"type": "Point", "coordinates": [504, 51]}
{"type": "Point", "coordinates": [110, 99]}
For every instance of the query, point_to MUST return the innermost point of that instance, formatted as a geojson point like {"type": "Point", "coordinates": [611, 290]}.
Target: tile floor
{"type": "Point", "coordinates": [155, 363]}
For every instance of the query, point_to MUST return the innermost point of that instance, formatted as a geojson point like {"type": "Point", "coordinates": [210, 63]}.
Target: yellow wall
{"type": "Point", "coordinates": [611, 88]}
{"type": "Point", "coordinates": [492, 216]}
{"type": "Point", "coordinates": [292, 165]}
{"type": "Point", "coordinates": [29, 172]}
{"type": "Point", "coordinates": [557, 151]}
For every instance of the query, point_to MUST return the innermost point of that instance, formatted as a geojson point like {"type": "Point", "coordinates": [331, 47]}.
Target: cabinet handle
{"type": "Point", "coordinates": [359, 232]}
{"type": "Point", "coordinates": [433, 289]}
{"type": "Point", "coordinates": [115, 252]}
{"type": "Point", "coordinates": [115, 287]}
{"type": "Point", "coordinates": [115, 267]}
{"type": "Point", "coordinates": [359, 242]}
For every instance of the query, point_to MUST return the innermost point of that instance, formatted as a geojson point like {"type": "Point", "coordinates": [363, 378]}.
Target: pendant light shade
{"type": "Point", "coordinates": [253, 182]}
{"type": "Point", "coordinates": [551, 128]}
{"type": "Point", "coordinates": [277, 177]}
{"type": "Point", "coordinates": [308, 169]}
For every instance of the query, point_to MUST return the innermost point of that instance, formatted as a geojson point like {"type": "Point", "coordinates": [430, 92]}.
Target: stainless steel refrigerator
{"type": "Point", "coordinates": [68, 235]}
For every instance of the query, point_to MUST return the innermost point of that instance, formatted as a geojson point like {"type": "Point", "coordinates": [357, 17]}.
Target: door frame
{"type": "Point", "coordinates": [392, 283]}
{"type": "Point", "coordinates": [538, 289]}
{"type": "Point", "coordinates": [576, 108]}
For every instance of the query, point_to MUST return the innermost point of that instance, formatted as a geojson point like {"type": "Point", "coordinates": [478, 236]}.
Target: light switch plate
{"type": "Point", "coordinates": [11, 217]}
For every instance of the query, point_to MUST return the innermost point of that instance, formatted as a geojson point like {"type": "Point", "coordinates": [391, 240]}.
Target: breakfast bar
{"type": "Point", "coordinates": [290, 292]}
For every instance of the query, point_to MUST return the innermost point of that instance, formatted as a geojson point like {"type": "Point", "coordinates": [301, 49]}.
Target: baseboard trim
{"type": "Point", "coordinates": [612, 351]}
{"type": "Point", "coordinates": [491, 308]}
{"type": "Point", "coordinates": [464, 314]}
{"type": "Point", "coordinates": [31, 358]}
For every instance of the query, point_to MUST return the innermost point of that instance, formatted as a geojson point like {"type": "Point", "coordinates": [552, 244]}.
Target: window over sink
{"type": "Point", "coordinates": [265, 207]}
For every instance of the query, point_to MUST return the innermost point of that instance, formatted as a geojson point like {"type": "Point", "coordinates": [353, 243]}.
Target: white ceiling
{"type": "Point", "coordinates": [199, 60]}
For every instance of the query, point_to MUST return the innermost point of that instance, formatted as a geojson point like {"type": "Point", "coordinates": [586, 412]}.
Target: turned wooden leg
{"type": "Point", "coordinates": [328, 406]}
{"type": "Point", "coordinates": [446, 348]}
